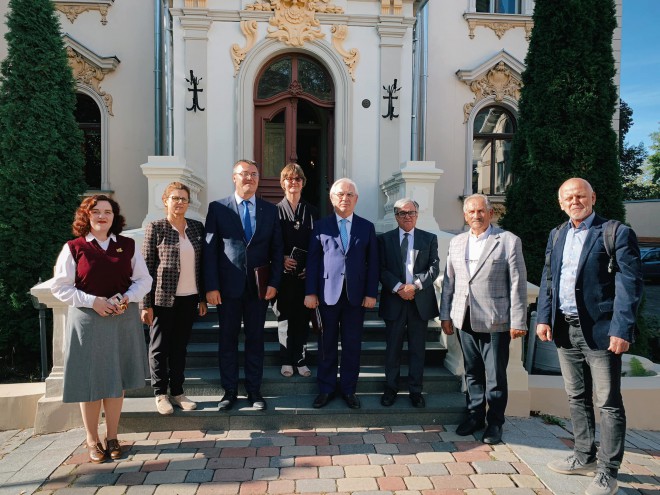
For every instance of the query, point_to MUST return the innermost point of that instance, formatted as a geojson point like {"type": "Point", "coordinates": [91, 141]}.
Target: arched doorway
{"type": "Point", "coordinates": [294, 122]}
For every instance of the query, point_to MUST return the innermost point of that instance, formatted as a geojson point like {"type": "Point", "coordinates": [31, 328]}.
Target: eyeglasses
{"type": "Point", "coordinates": [342, 195]}
{"type": "Point", "coordinates": [248, 175]}
{"type": "Point", "coordinates": [179, 199]}
{"type": "Point", "coordinates": [404, 214]}
{"type": "Point", "coordinates": [294, 179]}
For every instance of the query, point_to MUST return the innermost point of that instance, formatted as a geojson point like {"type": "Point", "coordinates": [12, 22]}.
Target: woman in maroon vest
{"type": "Point", "coordinates": [172, 249]}
{"type": "Point", "coordinates": [102, 277]}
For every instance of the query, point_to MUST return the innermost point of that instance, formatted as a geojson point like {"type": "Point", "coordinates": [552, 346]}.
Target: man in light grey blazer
{"type": "Point", "coordinates": [484, 295]}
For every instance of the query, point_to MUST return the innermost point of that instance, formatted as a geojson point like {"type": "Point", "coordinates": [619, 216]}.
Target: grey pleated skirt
{"type": "Point", "coordinates": [103, 356]}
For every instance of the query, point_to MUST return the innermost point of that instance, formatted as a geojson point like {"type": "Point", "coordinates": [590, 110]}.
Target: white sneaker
{"type": "Point", "coordinates": [183, 402]}
{"type": "Point", "coordinates": [163, 405]}
{"type": "Point", "coordinates": [602, 484]}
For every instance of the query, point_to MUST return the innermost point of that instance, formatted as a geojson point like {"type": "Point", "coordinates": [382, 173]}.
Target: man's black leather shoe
{"type": "Point", "coordinates": [352, 401]}
{"type": "Point", "coordinates": [469, 426]}
{"type": "Point", "coordinates": [257, 401]}
{"type": "Point", "coordinates": [417, 399]}
{"type": "Point", "coordinates": [322, 400]}
{"type": "Point", "coordinates": [493, 434]}
{"type": "Point", "coordinates": [388, 398]}
{"type": "Point", "coordinates": [228, 400]}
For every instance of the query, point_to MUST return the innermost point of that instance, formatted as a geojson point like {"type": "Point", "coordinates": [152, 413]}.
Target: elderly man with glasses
{"type": "Point", "coordinates": [242, 234]}
{"type": "Point", "coordinates": [342, 281]}
{"type": "Point", "coordinates": [409, 265]}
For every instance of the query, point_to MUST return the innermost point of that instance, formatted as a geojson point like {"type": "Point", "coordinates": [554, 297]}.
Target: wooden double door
{"type": "Point", "coordinates": [294, 122]}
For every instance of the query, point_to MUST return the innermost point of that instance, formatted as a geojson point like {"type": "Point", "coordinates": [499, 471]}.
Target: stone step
{"type": "Point", "coordinates": [206, 382]}
{"type": "Point", "coordinates": [205, 355]}
{"type": "Point", "coordinates": [293, 411]}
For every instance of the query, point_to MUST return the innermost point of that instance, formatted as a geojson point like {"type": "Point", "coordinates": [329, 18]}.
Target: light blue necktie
{"type": "Point", "coordinates": [342, 233]}
{"type": "Point", "coordinates": [247, 225]}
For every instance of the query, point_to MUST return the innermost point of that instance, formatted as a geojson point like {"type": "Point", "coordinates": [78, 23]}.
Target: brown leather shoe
{"type": "Point", "coordinates": [114, 449]}
{"type": "Point", "coordinates": [96, 453]}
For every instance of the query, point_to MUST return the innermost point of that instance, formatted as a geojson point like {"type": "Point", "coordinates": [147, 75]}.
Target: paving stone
{"type": "Point", "coordinates": [253, 487]}
{"type": "Point", "coordinates": [90, 468]}
{"type": "Point", "coordinates": [491, 480]}
{"type": "Point", "coordinates": [176, 489]}
{"type": "Point", "coordinates": [380, 459]}
{"type": "Point", "coordinates": [163, 477]}
{"type": "Point", "coordinates": [145, 456]}
{"type": "Point", "coordinates": [451, 481]}
{"type": "Point", "coordinates": [313, 461]}
{"type": "Point", "coordinates": [434, 469]}
{"type": "Point", "coordinates": [386, 448]}
{"type": "Point", "coordinates": [363, 471]}
{"type": "Point", "coordinates": [78, 490]}
{"type": "Point", "coordinates": [396, 438]}
{"type": "Point", "coordinates": [405, 459]}
{"type": "Point", "coordinates": [218, 488]}
{"type": "Point", "coordinates": [427, 457]}
{"type": "Point", "coordinates": [266, 474]}
{"type": "Point", "coordinates": [128, 467]}
{"type": "Point", "coordinates": [471, 456]}
{"type": "Point", "coordinates": [177, 454]}
{"type": "Point", "coordinates": [443, 446]}
{"type": "Point", "coordinates": [229, 463]}
{"type": "Point", "coordinates": [112, 490]}
{"type": "Point", "coordinates": [296, 450]}
{"type": "Point", "coordinates": [459, 468]}
{"type": "Point", "coordinates": [400, 470]}
{"type": "Point", "coordinates": [232, 444]}
{"type": "Point", "coordinates": [199, 476]}
{"type": "Point", "coordinates": [350, 460]}
{"type": "Point", "coordinates": [494, 467]}
{"type": "Point", "coordinates": [156, 465]}
{"type": "Point", "coordinates": [316, 486]}
{"type": "Point", "coordinates": [374, 438]}
{"type": "Point", "coordinates": [514, 491]}
{"type": "Point", "coordinates": [187, 464]}
{"type": "Point", "coordinates": [425, 437]}
{"type": "Point", "coordinates": [131, 479]}
{"type": "Point", "coordinates": [331, 472]}
{"type": "Point", "coordinates": [257, 462]}
{"type": "Point", "coordinates": [357, 449]}
{"type": "Point", "coordinates": [282, 462]}
{"type": "Point", "coordinates": [391, 483]}
{"type": "Point", "coordinates": [230, 474]}
{"type": "Point", "coordinates": [100, 479]}
{"type": "Point", "coordinates": [407, 429]}
{"type": "Point", "coordinates": [141, 490]}
{"type": "Point", "coordinates": [315, 440]}
{"type": "Point", "coordinates": [356, 484]}
{"type": "Point", "coordinates": [281, 487]}
{"type": "Point", "coordinates": [478, 491]}
{"type": "Point", "coordinates": [527, 481]}
{"type": "Point", "coordinates": [418, 483]}
{"type": "Point", "coordinates": [327, 450]}
{"type": "Point", "coordinates": [295, 473]}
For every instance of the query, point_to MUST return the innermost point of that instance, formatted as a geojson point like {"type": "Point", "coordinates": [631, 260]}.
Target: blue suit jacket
{"type": "Point", "coordinates": [607, 305]}
{"type": "Point", "coordinates": [229, 261]}
{"type": "Point", "coordinates": [328, 265]}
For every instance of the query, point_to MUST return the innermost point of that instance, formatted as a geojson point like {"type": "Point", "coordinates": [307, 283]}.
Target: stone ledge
{"type": "Point", "coordinates": [18, 404]}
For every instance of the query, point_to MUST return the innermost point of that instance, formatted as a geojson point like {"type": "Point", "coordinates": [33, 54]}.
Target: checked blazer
{"type": "Point", "coordinates": [161, 253]}
{"type": "Point", "coordinates": [497, 292]}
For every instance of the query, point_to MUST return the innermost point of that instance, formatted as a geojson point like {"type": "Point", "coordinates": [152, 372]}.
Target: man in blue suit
{"type": "Point", "coordinates": [342, 281]}
{"type": "Point", "coordinates": [590, 312]}
{"type": "Point", "coordinates": [242, 233]}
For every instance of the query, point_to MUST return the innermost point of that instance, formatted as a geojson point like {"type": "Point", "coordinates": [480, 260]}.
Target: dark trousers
{"type": "Point", "coordinates": [585, 369]}
{"type": "Point", "coordinates": [345, 321]}
{"type": "Point", "coordinates": [485, 357]}
{"type": "Point", "coordinates": [409, 324]}
{"type": "Point", "coordinates": [168, 342]}
{"type": "Point", "coordinates": [293, 319]}
{"type": "Point", "coordinates": [252, 312]}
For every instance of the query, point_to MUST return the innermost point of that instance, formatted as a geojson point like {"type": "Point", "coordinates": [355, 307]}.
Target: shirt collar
{"type": "Point", "coordinates": [239, 200]}
{"type": "Point", "coordinates": [584, 224]}
{"type": "Point", "coordinates": [411, 232]}
{"type": "Point", "coordinates": [349, 218]}
{"type": "Point", "coordinates": [481, 236]}
{"type": "Point", "coordinates": [90, 237]}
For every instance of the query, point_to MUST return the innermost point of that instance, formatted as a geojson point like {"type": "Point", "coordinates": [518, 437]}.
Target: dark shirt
{"type": "Point", "coordinates": [296, 225]}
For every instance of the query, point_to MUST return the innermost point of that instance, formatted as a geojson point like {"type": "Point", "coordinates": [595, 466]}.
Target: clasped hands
{"type": "Point", "coordinates": [406, 291]}
{"type": "Point", "coordinates": [108, 307]}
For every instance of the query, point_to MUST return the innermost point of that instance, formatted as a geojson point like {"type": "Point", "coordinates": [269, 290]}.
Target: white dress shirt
{"type": "Point", "coordinates": [475, 248]}
{"type": "Point", "coordinates": [410, 260]}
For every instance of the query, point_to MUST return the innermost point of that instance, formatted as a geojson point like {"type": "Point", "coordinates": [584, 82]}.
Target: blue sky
{"type": "Point", "coordinates": [640, 67]}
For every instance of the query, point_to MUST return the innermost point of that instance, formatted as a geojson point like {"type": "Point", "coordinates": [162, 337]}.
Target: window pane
{"type": "Point", "coordinates": [314, 79]}
{"type": "Point", "coordinates": [502, 168]}
{"type": "Point", "coordinates": [275, 79]}
{"type": "Point", "coordinates": [274, 146]}
{"type": "Point", "coordinates": [88, 116]}
{"type": "Point", "coordinates": [483, 5]}
{"type": "Point", "coordinates": [493, 120]}
{"type": "Point", "coordinates": [481, 157]}
{"type": "Point", "coordinates": [507, 6]}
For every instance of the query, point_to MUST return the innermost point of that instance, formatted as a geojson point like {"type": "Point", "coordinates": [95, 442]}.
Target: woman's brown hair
{"type": "Point", "coordinates": [173, 186]}
{"type": "Point", "coordinates": [292, 170]}
{"type": "Point", "coordinates": [81, 225]}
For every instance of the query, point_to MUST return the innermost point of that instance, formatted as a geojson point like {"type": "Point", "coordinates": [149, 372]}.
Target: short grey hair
{"type": "Point", "coordinates": [403, 202]}
{"type": "Point", "coordinates": [243, 160]}
{"type": "Point", "coordinates": [477, 196]}
{"type": "Point", "coordinates": [335, 186]}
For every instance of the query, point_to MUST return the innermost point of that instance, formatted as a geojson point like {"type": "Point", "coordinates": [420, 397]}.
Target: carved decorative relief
{"type": "Point", "coordinates": [499, 27]}
{"type": "Point", "coordinates": [90, 74]}
{"type": "Point", "coordinates": [238, 54]}
{"type": "Point", "coordinates": [351, 57]}
{"type": "Point", "coordinates": [196, 3]}
{"type": "Point", "coordinates": [391, 7]}
{"type": "Point", "coordinates": [73, 9]}
{"type": "Point", "coordinates": [499, 82]}
{"type": "Point", "coordinates": [294, 21]}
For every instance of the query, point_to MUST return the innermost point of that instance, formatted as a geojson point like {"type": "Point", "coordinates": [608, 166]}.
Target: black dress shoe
{"type": "Point", "coordinates": [228, 400]}
{"type": "Point", "coordinates": [388, 398]}
{"type": "Point", "coordinates": [493, 434]}
{"type": "Point", "coordinates": [352, 401]}
{"type": "Point", "coordinates": [257, 401]}
{"type": "Point", "coordinates": [469, 426]}
{"type": "Point", "coordinates": [322, 400]}
{"type": "Point", "coordinates": [417, 399]}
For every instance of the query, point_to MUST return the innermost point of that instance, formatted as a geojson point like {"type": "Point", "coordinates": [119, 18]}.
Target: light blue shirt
{"type": "Point", "coordinates": [252, 208]}
{"type": "Point", "coordinates": [349, 222]}
{"type": "Point", "coordinates": [575, 238]}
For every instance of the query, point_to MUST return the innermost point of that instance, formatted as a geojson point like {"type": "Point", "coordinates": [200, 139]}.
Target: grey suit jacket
{"type": "Point", "coordinates": [496, 293]}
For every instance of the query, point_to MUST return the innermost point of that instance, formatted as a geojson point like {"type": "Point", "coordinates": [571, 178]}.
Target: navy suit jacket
{"type": "Point", "coordinates": [229, 260]}
{"type": "Point", "coordinates": [607, 304]}
{"type": "Point", "coordinates": [425, 269]}
{"type": "Point", "coordinates": [328, 265]}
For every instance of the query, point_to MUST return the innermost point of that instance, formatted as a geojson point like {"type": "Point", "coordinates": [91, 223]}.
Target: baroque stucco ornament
{"type": "Point", "coordinates": [238, 54]}
{"type": "Point", "coordinates": [498, 82]}
{"type": "Point", "coordinates": [294, 21]}
{"type": "Point", "coordinates": [86, 73]}
{"type": "Point", "coordinates": [73, 9]}
{"type": "Point", "coordinates": [351, 57]}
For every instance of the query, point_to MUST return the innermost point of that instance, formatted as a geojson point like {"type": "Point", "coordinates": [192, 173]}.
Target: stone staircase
{"type": "Point", "coordinates": [290, 399]}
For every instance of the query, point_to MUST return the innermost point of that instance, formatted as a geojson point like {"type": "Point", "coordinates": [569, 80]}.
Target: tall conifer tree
{"type": "Point", "coordinates": [41, 165]}
{"type": "Point", "coordinates": [565, 127]}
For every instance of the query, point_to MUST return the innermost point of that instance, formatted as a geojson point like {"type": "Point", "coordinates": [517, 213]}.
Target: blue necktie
{"type": "Point", "coordinates": [342, 233]}
{"type": "Point", "coordinates": [247, 225]}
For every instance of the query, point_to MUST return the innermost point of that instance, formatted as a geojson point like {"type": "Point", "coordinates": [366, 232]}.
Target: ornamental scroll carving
{"type": "Point", "coordinates": [499, 82]}
{"type": "Point", "coordinates": [73, 9]}
{"type": "Point", "coordinates": [351, 57]}
{"type": "Point", "coordinates": [88, 74]}
{"type": "Point", "coordinates": [238, 54]}
{"type": "Point", "coordinates": [196, 3]}
{"type": "Point", "coordinates": [500, 27]}
{"type": "Point", "coordinates": [294, 21]}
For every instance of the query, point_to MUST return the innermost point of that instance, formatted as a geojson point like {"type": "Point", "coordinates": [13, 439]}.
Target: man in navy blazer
{"type": "Point", "coordinates": [590, 313]}
{"type": "Point", "coordinates": [242, 233]}
{"type": "Point", "coordinates": [342, 281]}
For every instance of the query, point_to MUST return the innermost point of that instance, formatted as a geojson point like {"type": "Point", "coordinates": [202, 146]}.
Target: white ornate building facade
{"type": "Point", "coordinates": [414, 97]}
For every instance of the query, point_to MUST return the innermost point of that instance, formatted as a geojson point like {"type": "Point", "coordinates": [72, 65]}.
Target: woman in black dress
{"type": "Point", "coordinates": [296, 220]}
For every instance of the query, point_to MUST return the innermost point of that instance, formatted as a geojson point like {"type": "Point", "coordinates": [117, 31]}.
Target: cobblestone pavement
{"type": "Point", "coordinates": [407, 460]}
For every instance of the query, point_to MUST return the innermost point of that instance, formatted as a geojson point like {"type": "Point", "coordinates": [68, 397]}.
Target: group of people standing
{"type": "Point", "coordinates": [251, 253]}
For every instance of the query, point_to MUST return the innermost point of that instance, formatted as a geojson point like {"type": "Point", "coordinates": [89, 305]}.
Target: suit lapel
{"type": "Point", "coordinates": [395, 248]}
{"type": "Point", "coordinates": [592, 235]}
{"type": "Point", "coordinates": [417, 246]}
